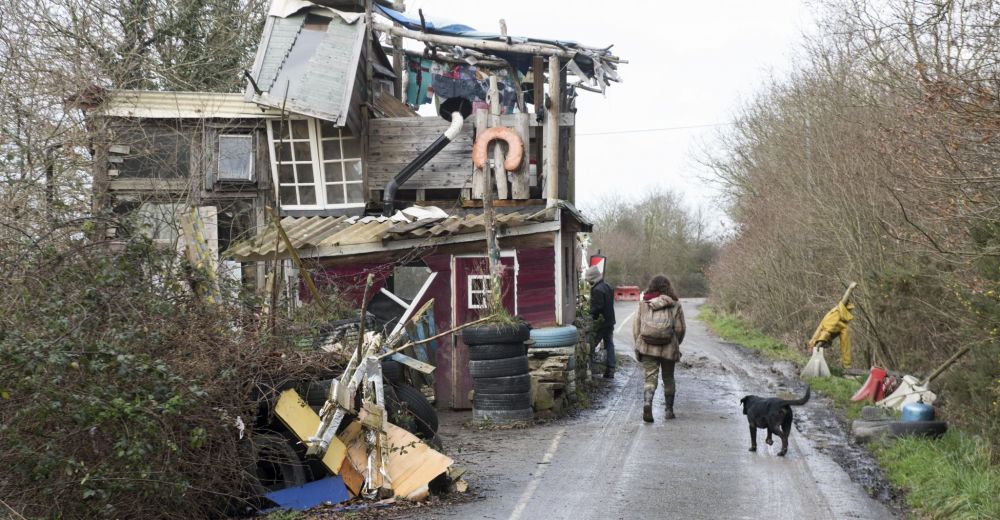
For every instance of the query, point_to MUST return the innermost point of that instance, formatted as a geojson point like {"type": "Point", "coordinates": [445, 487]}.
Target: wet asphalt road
{"type": "Point", "coordinates": [607, 463]}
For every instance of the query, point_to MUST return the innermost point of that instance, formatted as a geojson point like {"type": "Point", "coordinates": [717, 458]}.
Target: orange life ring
{"type": "Point", "coordinates": [515, 147]}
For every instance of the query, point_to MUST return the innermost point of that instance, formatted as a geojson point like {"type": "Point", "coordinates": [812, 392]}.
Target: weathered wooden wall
{"type": "Point", "coordinates": [394, 142]}
{"type": "Point", "coordinates": [536, 286]}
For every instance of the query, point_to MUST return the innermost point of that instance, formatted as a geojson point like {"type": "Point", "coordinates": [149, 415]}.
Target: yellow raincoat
{"type": "Point", "coordinates": [834, 325]}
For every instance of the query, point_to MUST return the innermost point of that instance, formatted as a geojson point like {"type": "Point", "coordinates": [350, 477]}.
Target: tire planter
{"type": "Point", "coordinates": [555, 336]}
{"type": "Point", "coordinates": [488, 368]}
{"type": "Point", "coordinates": [518, 401]}
{"type": "Point", "coordinates": [503, 385]}
{"type": "Point", "coordinates": [503, 416]}
{"type": "Point", "coordinates": [495, 333]}
{"type": "Point", "coordinates": [495, 351]}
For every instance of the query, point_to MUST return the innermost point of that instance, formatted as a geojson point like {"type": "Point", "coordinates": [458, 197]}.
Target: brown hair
{"type": "Point", "coordinates": [661, 284]}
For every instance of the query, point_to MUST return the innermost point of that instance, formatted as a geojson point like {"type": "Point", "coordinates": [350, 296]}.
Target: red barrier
{"type": "Point", "coordinates": [627, 293]}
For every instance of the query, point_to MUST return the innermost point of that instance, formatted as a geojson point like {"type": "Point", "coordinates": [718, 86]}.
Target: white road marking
{"type": "Point", "coordinates": [533, 485]}
{"type": "Point", "coordinates": [622, 324]}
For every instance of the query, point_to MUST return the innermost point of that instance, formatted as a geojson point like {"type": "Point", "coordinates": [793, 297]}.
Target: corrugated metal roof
{"type": "Point", "coordinates": [175, 105]}
{"type": "Point", "coordinates": [319, 77]}
{"type": "Point", "coordinates": [318, 232]}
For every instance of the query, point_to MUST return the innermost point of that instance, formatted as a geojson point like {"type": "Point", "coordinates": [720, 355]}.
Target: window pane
{"type": "Point", "coordinates": [335, 194]}
{"type": "Point", "coordinates": [345, 132]}
{"type": "Point", "coordinates": [305, 173]}
{"type": "Point", "coordinates": [352, 170]}
{"type": "Point", "coordinates": [333, 172]}
{"type": "Point", "coordinates": [352, 149]}
{"type": "Point", "coordinates": [307, 195]}
{"type": "Point", "coordinates": [287, 194]}
{"type": "Point", "coordinates": [302, 151]}
{"type": "Point", "coordinates": [355, 193]}
{"type": "Point", "coordinates": [286, 174]}
{"type": "Point", "coordinates": [300, 129]}
{"type": "Point", "coordinates": [331, 150]}
{"type": "Point", "coordinates": [235, 156]}
{"type": "Point", "coordinates": [280, 128]}
{"type": "Point", "coordinates": [282, 152]}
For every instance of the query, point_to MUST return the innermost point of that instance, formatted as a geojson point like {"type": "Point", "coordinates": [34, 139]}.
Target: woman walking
{"type": "Point", "coordinates": [658, 331]}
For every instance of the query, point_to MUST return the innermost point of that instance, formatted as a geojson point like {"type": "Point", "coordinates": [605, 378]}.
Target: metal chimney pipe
{"type": "Point", "coordinates": [457, 109]}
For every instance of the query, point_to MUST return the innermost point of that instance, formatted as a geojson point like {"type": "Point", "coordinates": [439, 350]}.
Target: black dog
{"type": "Point", "coordinates": [771, 413]}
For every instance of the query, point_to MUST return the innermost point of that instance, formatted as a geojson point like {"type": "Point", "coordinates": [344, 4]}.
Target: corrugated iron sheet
{"type": "Point", "coordinates": [314, 232]}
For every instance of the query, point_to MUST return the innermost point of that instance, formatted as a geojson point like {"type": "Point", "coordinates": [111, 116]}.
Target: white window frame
{"type": "Point", "coordinates": [484, 292]}
{"type": "Point", "coordinates": [317, 161]}
{"type": "Point", "coordinates": [218, 166]}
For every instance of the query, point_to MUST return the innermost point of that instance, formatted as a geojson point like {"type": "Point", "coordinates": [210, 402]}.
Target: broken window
{"type": "Point", "coordinates": [158, 221]}
{"type": "Point", "coordinates": [317, 165]}
{"type": "Point", "coordinates": [235, 157]}
{"type": "Point", "coordinates": [479, 291]}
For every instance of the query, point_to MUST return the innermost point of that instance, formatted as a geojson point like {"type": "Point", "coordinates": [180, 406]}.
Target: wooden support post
{"type": "Point", "coordinates": [490, 223]}
{"type": "Point", "coordinates": [398, 65]}
{"type": "Point", "coordinates": [481, 119]}
{"type": "Point", "coordinates": [551, 145]}
{"type": "Point", "coordinates": [500, 174]}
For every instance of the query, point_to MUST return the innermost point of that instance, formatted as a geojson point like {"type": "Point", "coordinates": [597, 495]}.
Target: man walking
{"type": "Point", "coordinates": [602, 309]}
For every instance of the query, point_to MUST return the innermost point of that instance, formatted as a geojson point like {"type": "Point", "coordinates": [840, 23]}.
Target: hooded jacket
{"type": "Point", "coordinates": [671, 351]}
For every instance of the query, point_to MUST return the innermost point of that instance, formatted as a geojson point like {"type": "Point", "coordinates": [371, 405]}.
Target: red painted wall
{"type": "Point", "coordinates": [349, 280]}
{"type": "Point", "coordinates": [536, 286]}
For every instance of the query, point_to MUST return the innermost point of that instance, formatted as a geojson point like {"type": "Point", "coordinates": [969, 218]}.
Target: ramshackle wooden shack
{"type": "Point", "coordinates": [330, 133]}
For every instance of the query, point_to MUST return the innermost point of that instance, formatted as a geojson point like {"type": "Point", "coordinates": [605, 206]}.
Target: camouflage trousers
{"type": "Point", "coordinates": [653, 366]}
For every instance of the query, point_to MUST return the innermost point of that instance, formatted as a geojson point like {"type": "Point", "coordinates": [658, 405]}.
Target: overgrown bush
{"type": "Point", "coordinates": [875, 162]}
{"type": "Point", "coordinates": [122, 394]}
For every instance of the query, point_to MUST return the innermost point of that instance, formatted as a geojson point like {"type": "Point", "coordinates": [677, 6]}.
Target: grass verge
{"type": "Point", "coordinates": [950, 477]}
{"type": "Point", "coordinates": [735, 330]}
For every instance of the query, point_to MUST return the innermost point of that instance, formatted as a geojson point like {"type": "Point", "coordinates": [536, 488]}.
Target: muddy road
{"type": "Point", "coordinates": [607, 463]}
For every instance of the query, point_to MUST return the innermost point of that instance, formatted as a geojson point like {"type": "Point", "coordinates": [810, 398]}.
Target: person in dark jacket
{"type": "Point", "coordinates": [602, 309]}
{"type": "Point", "coordinates": [659, 358]}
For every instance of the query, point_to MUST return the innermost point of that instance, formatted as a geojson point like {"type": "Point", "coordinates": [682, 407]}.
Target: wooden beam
{"type": "Point", "coordinates": [500, 174]}
{"type": "Point", "coordinates": [472, 43]}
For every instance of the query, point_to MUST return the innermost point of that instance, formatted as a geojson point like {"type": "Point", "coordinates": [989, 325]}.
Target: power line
{"type": "Point", "coordinates": [649, 130]}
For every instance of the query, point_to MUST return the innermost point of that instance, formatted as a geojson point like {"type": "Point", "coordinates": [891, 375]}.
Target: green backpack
{"type": "Point", "coordinates": [658, 326]}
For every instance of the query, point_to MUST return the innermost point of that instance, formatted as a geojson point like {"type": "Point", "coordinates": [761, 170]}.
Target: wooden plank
{"type": "Point", "coordinates": [519, 181]}
{"type": "Point", "coordinates": [132, 184]}
{"type": "Point", "coordinates": [415, 364]}
{"type": "Point", "coordinates": [294, 413]}
{"type": "Point", "coordinates": [565, 119]}
{"type": "Point", "coordinates": [123, 149]}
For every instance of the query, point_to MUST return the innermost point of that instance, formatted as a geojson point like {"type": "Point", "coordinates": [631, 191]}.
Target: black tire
{"type": "Point", "coordinates": [410, 400]}
{"type": "Point", "coordinates": [502, 385]}
{"type": "Point", "coordinates": [277, 465]}
{"type": "Point", "coordinates": [501, 401]}
{"type": "Point", "coordinates": [392, 370]}
{"type": "Point", "coordinates": [514, 366]}
{"type": "Point", "coordinates": [496, 333]}
{"type": "Point", "coordinates": [503, 416]}
{"type": "Point", "coordinates": [495, 351]}
{"type": "Point", "coordinates": [920, 428]}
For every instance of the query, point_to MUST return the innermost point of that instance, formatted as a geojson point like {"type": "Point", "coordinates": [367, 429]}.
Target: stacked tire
{"type": "Point", "coordinates": [498, 363]}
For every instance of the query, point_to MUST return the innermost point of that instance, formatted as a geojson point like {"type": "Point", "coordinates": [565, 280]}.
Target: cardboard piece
{"type": "Point", "coordinates": [294, 413]}
{"type": "Point", "coordinates": [412, 464]}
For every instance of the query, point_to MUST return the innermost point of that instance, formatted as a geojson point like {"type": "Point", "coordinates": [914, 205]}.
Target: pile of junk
{"type": "Point", "coordinates": [366, 438]}
{"type": "Point", "coordinates": [902, 403]}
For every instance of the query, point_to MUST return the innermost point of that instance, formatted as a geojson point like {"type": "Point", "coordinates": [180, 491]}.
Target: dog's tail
{"type": "Point", "coordinates": [797, 402]}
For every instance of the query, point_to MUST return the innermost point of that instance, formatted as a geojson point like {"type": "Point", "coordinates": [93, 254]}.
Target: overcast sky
{"type": "Point", "coordinates": [691, 63]}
